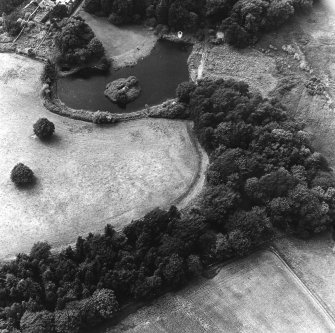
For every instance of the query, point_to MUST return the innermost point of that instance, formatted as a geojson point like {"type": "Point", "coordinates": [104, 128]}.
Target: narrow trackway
{"type": "Point", "coordinates": [320, 303]}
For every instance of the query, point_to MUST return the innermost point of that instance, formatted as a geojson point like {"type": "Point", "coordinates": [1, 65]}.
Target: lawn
{"type": "Point", "coordinates": [88, 175]}
{"type": "Point", "coordinates": [126, 45]}
{"type": "Point", "coordinates": [255, 294]}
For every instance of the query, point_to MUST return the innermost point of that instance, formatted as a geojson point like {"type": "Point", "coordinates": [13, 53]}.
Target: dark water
{"type": "Point", "coordinates": [158, 74]}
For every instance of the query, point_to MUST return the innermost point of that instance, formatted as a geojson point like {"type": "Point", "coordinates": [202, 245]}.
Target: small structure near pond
{"type": "Point", "coordinates": [123, 91]}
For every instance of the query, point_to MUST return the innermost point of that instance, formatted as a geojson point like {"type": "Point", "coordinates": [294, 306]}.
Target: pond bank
{"type": "Point", "coordinates": [159, 75]}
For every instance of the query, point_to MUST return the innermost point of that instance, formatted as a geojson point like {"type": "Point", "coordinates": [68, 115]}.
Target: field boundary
{"type": "Point", "coordinates": [303, 284]}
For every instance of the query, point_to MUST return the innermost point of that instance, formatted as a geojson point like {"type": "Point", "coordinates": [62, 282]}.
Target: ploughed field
{"type": "Point", "coordinates": [255, 294]}
{"type": "Point", "coordinates": [87, 176]}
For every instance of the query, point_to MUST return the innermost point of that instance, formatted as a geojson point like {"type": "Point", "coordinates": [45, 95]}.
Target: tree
{"type": "Point", "coordinates": [58, 12]}
{"type": "Point", "coordinates": [92, 6]}
{"type": "Point", "coordinates": [73, 40]}
{"type": "Point", "coordinates": [44, 128]}
{"type": "Point", "coordinates": [40, 251]}
{"type": "Point", "coordinates": [309, 213]}
{"type": "Point", "coordinates": [194, 265]}
{"type": "Point", "coordinates": [218, 202]}
{"type": "Point", "coordinates": [101, 305]}
{"type": "Point", "coordinates": [254, 224]}
{"type": "Point", "coordinates": [239, 243]}
{"type": "Point", "coordinates": [272, 185]}
{"type": "Point", "coordinates": [37, 322]}
{"type": "Point", "coordinates": [184, 90]}
{"type": "Point", "coordinates": [95, 48]}
{"type": "Point", "coordinates": [217, 10]}
{"type": "Point", "coordinates": [179, 16]}
{"type": "Point", "coordinates": [279, 12]}
{"type": "Point", "coordinates": [67, 321]}
{"type": "Point", "coordinates": [235, 34]}
{"type": "Point", "coordinates": [22, 175]}
{"type": "Point", "coordinates": [162, 12]}
{"type": "Point", "coordinates": [124, 9]}
{"type": "Point", "coordinates": [174, 271]}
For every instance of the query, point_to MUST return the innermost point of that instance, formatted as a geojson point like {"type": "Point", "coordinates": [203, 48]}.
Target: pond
{"type": "Point", "coordinates": [159, 75]}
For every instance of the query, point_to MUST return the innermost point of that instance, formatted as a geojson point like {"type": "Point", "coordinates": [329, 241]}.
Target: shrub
{"type": "Point", "coordinates": [22, 175]}
{"type": "Point", "coordinates": [49, 72]}
{"type": "Point", "coordinates": [101, 117]}
{"type": "Point", "coordinates": [44, 128]}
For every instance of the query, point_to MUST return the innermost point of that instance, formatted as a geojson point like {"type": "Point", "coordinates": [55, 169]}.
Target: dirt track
{"type": "Point", "coordinates": [87, 176]}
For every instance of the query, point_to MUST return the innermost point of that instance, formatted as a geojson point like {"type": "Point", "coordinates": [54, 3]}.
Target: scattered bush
{"type": "Point", "coordinates": [44, 128]}
{"type": "Point", "coordinates": [22, 175]}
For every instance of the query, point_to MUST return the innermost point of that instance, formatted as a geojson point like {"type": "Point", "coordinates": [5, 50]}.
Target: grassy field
{"type": "Point", "coordinates": [255, 294]}
{"type": "Point", "coordinates": [125, 45]}
{"type": "Point", "coordinates": [314, 263]}
{"type": "Point", "coordinates": [248, 65]}
{"type": "Point", "coordinates": [88, 176]}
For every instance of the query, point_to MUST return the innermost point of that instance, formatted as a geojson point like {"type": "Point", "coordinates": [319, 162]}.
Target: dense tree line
{"type": "Point", "coordinates": [84, 285]}
{"type": "Point", "coordinates": [240, 19]}
{"type": "Point", "coordinates": [77, 43]}
{"type": "Point", "coordinates": [261, 161]}
{"type": "Point", "coordinates": [263, 175]}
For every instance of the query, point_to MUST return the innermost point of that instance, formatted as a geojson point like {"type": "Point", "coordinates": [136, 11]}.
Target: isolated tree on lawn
{"type": "Point", "coordinates": [44, 128]}
{"type": "Point", "coordinates": [22, 175]}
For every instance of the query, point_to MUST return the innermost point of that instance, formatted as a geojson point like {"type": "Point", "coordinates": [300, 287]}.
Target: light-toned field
{"type": "Point", "coordinates": [255, 294]}
{"type": "Point", "coordinates": [314, 263]}
{"type": "Point", "coordinates": [318, 111]}
{"type": "Point", "coordinates": [87, 176]}
{"type": "Point", "coordinates": [125, 45]}
{"type": "Point", "coordinates": [248, 65]}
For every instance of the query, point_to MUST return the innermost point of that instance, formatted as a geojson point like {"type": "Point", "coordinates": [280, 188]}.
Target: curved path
{"type": "Point", "coordinates": [87, 175]}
